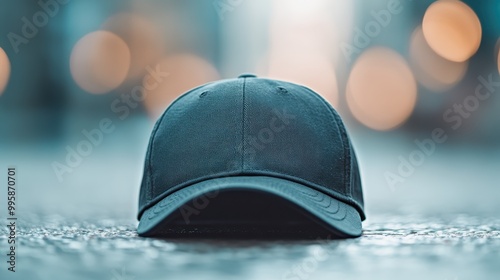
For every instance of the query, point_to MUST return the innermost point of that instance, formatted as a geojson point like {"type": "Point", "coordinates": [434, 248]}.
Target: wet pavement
{"type": "Point", "coordinates": [392, 247]}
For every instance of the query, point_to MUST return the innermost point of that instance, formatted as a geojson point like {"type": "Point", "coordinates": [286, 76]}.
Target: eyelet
{"type": "Point", "coordinates": [282, 90]}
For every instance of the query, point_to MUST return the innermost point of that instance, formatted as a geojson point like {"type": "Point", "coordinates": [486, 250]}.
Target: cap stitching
{"type": "Point", "coordinates": [343, 138]}
{"type": "Point", "coordinates": [346, 199]}
{"type": "Point", "coordinates": [151, 143]}
{"type": "Point", "coordinates": [347, 154]}
{"type": "Point", "coordinates": [151, 140]}
{"type": "Point", "coordinates": [243, 122]}
{"type": "Point", "coordinates": [318, 187]}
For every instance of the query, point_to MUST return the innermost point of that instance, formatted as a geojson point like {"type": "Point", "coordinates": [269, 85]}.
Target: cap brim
{"type": "Point", "coordinates": [338, 217]}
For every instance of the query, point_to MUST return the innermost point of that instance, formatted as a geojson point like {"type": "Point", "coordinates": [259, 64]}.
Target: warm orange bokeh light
{"type": "Point", "coordinates": [4, 70]}
{"type": "Point", "coordinates": [185, 71]}
{"type": "Point", "coordinates": [452, 29]}
{"type": "Point", "coordinates": [100, 61]}
{"type": "Point", "coordinates": [143, 38]}
{"type": "Point", "coordinates": [311, 70]}
{"type": "Point", "coordinates": [381, 90]}
{"type": "Point", "coordinates": [432, 70]}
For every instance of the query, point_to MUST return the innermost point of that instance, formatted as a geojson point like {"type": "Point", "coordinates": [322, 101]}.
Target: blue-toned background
{"type": "Point", "coordinates": [417, 83]}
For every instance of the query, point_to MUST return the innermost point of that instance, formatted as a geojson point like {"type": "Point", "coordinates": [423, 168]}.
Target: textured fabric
{"type": "Point", "coordinates": [251, 127]}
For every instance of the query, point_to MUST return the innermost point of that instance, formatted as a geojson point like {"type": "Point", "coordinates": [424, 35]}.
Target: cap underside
{"type": "Point", "coordinates": [178, 212]}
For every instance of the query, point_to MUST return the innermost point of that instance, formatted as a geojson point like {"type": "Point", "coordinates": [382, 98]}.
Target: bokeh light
{"type": "Point", "coordinates": [143, 38]}
{"type": "Point", "coordinates": [100, 61]}
{"type": "Point", "coordinates": [311, 70]}
{"type": "Point", "coordinates": [381, 90]}
{"type": "Point", "coordinates": [4, 70]}
{"type": "Point", "coordinates": [185, 71]}
{"type": "Point", "coordinates": [432, 70]}
{"type": "Point", "coordinates": [452, 29]}
{"type": "Point", "coordinates": [303, 38]}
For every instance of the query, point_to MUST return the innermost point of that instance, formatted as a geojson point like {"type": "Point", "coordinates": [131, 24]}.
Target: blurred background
{"type": "Point", "coordinates": [395, 70]}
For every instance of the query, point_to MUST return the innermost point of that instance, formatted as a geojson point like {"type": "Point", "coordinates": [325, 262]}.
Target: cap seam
{"type": "Point", "coordinates": [341, 129]}
{"type": "Point", "coordinates": [347, 153]}
{"type": "Point", "coordinates": [151, 179]}
{"type": "Point", "coordinates": [243, 127]}
{"type": "Point", "coordinates": [343, 139]}
{"type": "Point", "coordinates": [151, 146]}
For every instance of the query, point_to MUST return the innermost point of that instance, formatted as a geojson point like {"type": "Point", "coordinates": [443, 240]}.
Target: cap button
{"type": "Point", "coordinates": [247, 76]}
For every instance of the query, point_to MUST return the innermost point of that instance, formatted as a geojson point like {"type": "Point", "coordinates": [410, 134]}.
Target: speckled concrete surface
{"type": "Point", "coordinates": [392, 247]}
{"type": "Point", "coordinates": [442, 223]}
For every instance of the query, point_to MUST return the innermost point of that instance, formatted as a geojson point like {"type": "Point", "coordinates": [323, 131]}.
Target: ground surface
{"type": "Point", "coordinates": [442, 222]}
{"type": "Point", "coordinates": [392, 247]}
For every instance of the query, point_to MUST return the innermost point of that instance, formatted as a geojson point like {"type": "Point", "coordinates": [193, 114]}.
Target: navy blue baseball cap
{"type": "Point", "coordinates": [247, 154]}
